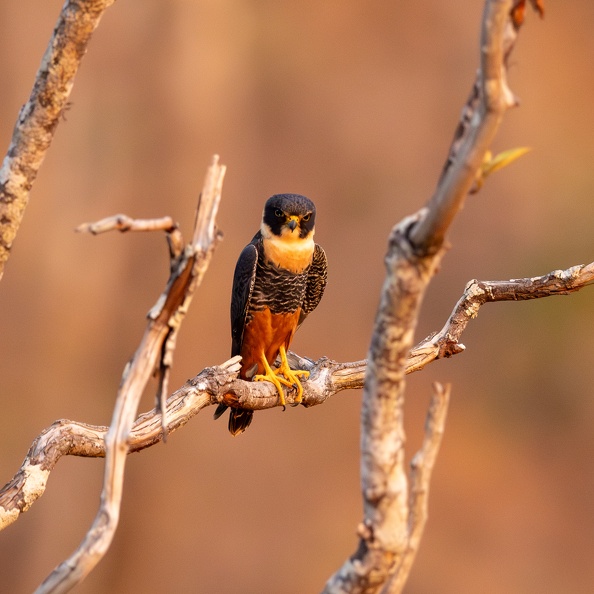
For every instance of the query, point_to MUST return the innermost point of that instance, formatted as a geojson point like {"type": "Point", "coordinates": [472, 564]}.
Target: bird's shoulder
{"type": "Point", "coordinates": [246, 263]}
{"type": "Point", "coordinates": [319, 256]}
{"type": "Point", "coordinates": [243, 284]}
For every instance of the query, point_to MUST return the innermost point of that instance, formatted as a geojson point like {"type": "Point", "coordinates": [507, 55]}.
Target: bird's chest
{"type": "Point", "coordinates": [277, 289]}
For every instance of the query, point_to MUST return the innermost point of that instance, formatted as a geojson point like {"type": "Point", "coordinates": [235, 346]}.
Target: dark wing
{"type": "Point", "coordinates": [243, 283]}
{"type": "Point", "coordinates": [316, 283]}
{"type": "Point", "coordinates": [244, 278]}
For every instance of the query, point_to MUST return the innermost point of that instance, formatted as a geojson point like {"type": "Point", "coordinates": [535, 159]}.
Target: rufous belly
{"type": "Point", "coordinates": [265, 334]}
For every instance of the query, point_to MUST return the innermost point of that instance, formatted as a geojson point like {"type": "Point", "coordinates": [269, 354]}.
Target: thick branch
{"type": "Point", "coordinates": [415, 248]}
{"type": "Point", "coordinates": [489, 100]}
{"type": "Point", "coordinates": [40, 116]}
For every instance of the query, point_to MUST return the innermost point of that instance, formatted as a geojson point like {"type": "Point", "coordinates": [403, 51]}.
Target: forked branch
{"type": "Point", "coordinates": [153, 354]}
{"type": "Point", "coordinates": [391, 521]}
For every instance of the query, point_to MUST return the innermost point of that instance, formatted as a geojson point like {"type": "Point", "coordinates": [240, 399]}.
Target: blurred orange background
{"type": "Point", "coordinates": [353, 104]}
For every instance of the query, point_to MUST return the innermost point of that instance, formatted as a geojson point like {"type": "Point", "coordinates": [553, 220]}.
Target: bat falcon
{"type": "Point", "coordinates": [279, 279]}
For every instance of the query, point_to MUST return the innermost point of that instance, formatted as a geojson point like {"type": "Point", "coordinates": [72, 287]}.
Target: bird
{"type": "Point", "coordinates": [279, 280]}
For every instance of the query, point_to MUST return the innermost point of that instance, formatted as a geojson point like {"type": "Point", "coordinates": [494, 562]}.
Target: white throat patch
{"type": "Point", "coordinates": [289, 251]}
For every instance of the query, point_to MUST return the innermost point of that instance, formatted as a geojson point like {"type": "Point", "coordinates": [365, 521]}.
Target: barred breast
{"type": "Point", "coordinates": [280, 290]}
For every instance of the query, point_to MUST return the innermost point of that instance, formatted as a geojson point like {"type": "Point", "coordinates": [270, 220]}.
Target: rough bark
{"type": "Point", "coordinates": [388, 532]}
{"type": "Point", "coordinates": [40, 116]}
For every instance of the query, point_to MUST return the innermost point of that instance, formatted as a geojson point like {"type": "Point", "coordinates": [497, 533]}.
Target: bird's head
{"type": "Point", "coordinates": [289, 216]}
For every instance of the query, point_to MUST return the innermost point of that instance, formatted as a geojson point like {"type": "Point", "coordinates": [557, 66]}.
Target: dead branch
{"type": "Point", "coordinates": [123, 223]}
{"type": "Point", "coordinates": [39, 117]}
{"type": "Point", "coordinates": [416, 246]}
{"type": "Point", "coordinates": [489, 100]}
{"type": "Point", "coordinates": [221, 384]}
{"type": "Point", "coordinates": [420, 477]}
{"type": "Point", "coordinates": [154, 353]}
{"type": "Point", "coordinates": [446, 342]}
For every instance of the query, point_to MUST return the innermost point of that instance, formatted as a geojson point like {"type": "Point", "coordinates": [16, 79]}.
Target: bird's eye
{"type": "Point", "coordinates": [279, 213]}
{"type": "Point", "coordinates": [307, 217]}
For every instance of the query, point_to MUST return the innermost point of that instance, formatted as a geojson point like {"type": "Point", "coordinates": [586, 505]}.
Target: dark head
{"type": "Point", "coordinates": [289, 215]}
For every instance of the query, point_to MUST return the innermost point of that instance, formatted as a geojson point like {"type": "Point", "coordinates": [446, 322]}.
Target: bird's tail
{"type": "Point", "coordinates": [239, 418]}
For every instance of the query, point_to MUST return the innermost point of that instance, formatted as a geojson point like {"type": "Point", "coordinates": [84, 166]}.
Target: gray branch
{"type": "Point", "coordinates": [40, 116]}
{"type": "Point", "coordinates": [153, 353]}
{"type": "Point", "coordinates": [221, 384]}
{"type": "Point", "coordinates": [390, 527]}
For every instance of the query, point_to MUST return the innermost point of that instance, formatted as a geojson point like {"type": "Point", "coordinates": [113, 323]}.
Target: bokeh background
{"type": "Point", "coordinates": [353, 104]}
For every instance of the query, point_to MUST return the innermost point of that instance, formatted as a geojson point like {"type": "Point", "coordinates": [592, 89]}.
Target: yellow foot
{"type": "Point", "coordinates": [291, 375]}
{"type": "Point", "coordinates": [270, 376]}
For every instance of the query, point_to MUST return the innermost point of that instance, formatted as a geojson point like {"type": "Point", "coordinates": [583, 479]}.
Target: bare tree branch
{"type": "Point", "coordinates": [420, 477]}
{"type": "Point", "coordinates": [489, 100]}
{"type": "Point", "coordinates": [445, 343]}
{"type": "Point", "coordinates": [39, 117]}
{"type": "Point", "coordinates": [394, 513]}
{"type": "Point", "coordinates": [123, 223]}
{"type": "Point", "coordinates": [221, 384]}
{"type": "Point", "coordinates": [154, 352]}
{"type": "Point", "coordinates": [416, 246]}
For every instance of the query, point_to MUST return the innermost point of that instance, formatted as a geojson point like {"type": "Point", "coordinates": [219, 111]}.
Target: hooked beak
{"type": "Point", "coordinates": [292, 223]}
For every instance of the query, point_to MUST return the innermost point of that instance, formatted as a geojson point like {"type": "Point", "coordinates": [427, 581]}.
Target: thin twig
{"type": "Point", "coordinates": [446, 342]}
{"type": "Point", "coordinates": [123, 223]}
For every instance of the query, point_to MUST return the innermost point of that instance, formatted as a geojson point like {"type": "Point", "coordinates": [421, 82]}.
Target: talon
{"type": "Point", "coordinates": [270, 376]}
{"type": "Point", "coordinates": [282, 376]}
{"type": "Point", "coordinates": [291, 375]}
